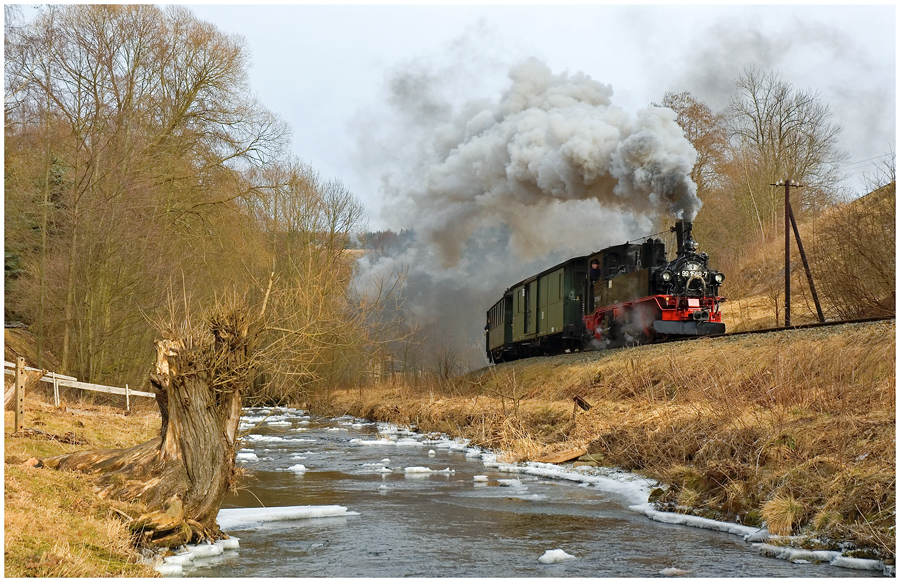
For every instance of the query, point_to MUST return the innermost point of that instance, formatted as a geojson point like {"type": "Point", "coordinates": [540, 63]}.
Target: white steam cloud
{"type": "Point", "coordinates": [497, 191]}
{"type": "Point", "coordinates": [551, 139]}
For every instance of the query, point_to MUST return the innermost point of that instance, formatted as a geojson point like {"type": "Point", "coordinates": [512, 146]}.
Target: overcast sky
{"type": "Point", "coordinates": [325, 68]}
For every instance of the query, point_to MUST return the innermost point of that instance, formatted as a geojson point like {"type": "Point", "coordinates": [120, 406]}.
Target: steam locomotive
{"type": "Point", "coordinates": [622, 295]}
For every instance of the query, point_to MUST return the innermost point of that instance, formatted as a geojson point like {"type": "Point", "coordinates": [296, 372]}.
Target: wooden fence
{"type": "Point", "coordinates": [58, 380]}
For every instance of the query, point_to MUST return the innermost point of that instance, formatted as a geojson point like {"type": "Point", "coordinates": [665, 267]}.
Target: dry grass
{"type": "Point", "coordinates": [735, 427]}
{"type": "Point", "coordinates": [782, 514]}
{"type": "Point", "coordinates": [55, 526]}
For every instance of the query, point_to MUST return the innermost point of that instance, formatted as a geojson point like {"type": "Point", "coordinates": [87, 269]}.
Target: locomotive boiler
{"type": "Point", "coordinates": [622, 295]}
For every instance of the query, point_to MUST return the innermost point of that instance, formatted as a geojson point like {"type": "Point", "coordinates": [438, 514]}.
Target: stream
{"type": "Point", "coordinates": [391, 503]}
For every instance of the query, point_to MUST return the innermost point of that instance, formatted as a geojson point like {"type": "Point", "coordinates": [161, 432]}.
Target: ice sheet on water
{"type": "Point", "coordinates": [801, 556]}
{"type": "Point", "coordinates": [673, 572]}
{"type": "Point", "coordinates": [385, 442]}
{"type": "Point", "coordinates": [857, 564]}
{"type": "Point", "coordinates": [426, 471]}
{"type": "Point", "coordinates": [695, 521]}
{"type": "Point", "coordinates": [264, 438]}
{"type": "Point", "coordinates": [410, 442]}
{"type": "Point", "coordinates": [634, 488]}
{"type": "Point", "coordinates": [253, 517]}
{"type": "Point", "coordinates": [555, 556]}
{"type": "Point", "coordinates": [247, 456]}
{"type": "Point", "coordinates": [389, 429]}
{"type": "Point", "coordinates": [190, 553]}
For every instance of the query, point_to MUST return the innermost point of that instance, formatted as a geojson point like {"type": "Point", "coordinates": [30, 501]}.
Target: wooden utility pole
{"type": "Point", "coordinates": [20, 394]}
{"type": "Point", "coordinates": [787, 253]}
{"type": "Point", "coordinates": [789, 223]}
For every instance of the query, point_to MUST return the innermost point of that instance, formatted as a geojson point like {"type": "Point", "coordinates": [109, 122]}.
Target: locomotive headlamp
{"type": "Point", "coordinates": [719, 277]}
{"type": "Point", "coordinates": [667, 276]}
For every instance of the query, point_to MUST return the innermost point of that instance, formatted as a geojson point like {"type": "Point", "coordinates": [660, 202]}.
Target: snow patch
{"type": "Point", "coordinates": [555, 556]}
{"type": "Point", "coordinates": [673, 572]}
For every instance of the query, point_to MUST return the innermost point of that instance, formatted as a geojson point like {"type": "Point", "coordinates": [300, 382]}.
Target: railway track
{"type": "Point", "coordinates": [803, 326]}
{"type": "Point", "coordinates": [777, 329]}
{"type": "Point", "coordinates": [752, 331]}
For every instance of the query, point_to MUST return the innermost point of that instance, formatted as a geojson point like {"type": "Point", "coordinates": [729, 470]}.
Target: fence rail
{"type": "Point", "coordinates": [58, 380]}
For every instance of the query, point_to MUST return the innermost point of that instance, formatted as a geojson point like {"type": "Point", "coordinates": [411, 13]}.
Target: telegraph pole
{"type": "Point", "coordinates": [791, 222]}
{"type": "Point", "coordinates": [787, 248]}
{"type": "Point", "coordinates": [787, 253]}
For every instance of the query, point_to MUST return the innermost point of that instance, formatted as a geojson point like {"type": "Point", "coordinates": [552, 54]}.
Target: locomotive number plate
{"type": "Point", "coordinates": [687, 274]}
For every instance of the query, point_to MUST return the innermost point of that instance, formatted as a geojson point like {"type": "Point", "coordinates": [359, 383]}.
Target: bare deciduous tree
{"type": "Point", "coordinates": [136, 121]}
{"type": "Point", "coordinates": [783, 133]}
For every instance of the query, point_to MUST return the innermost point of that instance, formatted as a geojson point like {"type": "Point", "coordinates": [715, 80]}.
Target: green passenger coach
{"type": "Point", "coordinates": [542, 314]}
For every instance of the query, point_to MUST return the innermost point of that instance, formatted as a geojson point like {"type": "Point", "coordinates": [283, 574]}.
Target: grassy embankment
{"type": "Point", "coordinates": [55, 526]}
{"type": "Point", "coordinates": [796, 429]}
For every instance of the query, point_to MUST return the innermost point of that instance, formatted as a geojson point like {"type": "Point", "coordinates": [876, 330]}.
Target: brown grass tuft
{"type": "Point", "coordinates": [782, 514]}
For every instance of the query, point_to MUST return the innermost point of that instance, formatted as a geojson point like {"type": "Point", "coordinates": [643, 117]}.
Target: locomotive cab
{"type": "Point", "coordinates": [641, 296]}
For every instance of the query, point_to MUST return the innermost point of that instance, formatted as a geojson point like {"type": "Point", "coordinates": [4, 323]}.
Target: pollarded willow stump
{"type": "Point", "coordinates": [182, 475]}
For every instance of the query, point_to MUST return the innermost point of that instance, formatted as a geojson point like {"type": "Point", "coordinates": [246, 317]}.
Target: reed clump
{"type": "Point", "coordinates": [793, 430]}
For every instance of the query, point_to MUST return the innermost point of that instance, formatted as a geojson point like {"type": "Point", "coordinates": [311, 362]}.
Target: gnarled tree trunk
{"type": "Point", "coordinates": [182, 476]}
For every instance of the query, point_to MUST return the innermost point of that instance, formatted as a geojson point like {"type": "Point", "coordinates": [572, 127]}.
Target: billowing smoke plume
{"type": "Point", "coordinates": [498, 191]}
{"type": "Point", "coordinates": [551, 139]}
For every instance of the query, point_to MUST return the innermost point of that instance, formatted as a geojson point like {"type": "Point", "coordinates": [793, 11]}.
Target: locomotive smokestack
{"type": "Point", "coordinates": [683, 234]}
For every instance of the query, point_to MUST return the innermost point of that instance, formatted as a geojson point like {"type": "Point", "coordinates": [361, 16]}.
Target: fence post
{"type": "Point", "coordinates": [20, 394]}
{"type": "Point", "coordinates": [55, 391]}
{"type": "Point", "coordinates": [127, 399]}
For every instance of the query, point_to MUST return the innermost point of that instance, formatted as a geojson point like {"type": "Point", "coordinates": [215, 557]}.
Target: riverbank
{"type": "Point", "coordinates": [55, 525]}
{"type": "Point", "coordinates": [793, 429]}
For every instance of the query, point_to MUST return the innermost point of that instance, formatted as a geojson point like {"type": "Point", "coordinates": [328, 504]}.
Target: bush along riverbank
{"type": "Point", "coordinates": [790, 431]}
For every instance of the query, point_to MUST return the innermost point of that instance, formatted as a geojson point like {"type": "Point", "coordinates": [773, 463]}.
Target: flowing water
{"type": "Point", "coordinates": [436, 508]}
